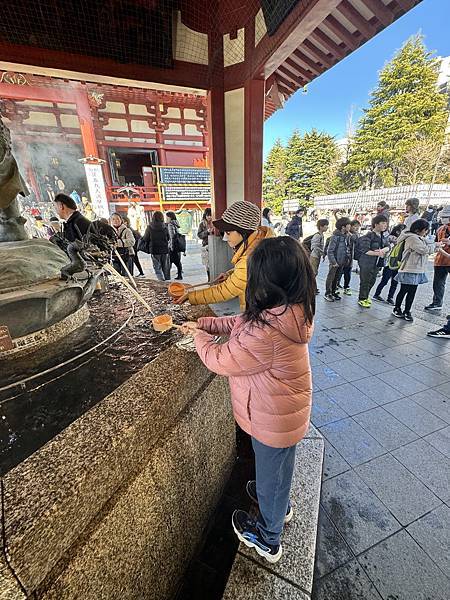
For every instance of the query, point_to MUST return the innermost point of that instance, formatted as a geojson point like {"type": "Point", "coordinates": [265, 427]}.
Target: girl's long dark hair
{"type": "Point", "coordinates": [265, 214]}
{"type": "Point", "coordinates": [279, 274]}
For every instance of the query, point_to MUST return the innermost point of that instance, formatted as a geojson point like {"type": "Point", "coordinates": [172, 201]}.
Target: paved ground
{"type": "Point", "coordinates": [382, 403]}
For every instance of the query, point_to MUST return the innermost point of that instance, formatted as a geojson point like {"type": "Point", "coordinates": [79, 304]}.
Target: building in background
{"type": "Point", "coordinates": [133, 131]}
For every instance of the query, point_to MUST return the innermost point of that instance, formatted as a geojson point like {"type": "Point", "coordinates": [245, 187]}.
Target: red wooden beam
{"type": "Point", "coordinates": [293, 87]}
{"type": "Point", "coordinates": [380, 10]}
{"type": "Point", "coordinates": [406, 5]}
{"type": "Point", "coordinates": [254, 97]}
{"type": "Point", "coordinates": [344, 34]}
{"type": "Point", "coordinates": [294, 66]}
{"type": "Point", "coordinates": [289, 75]}
{"type": "Point", "coordinates": [321, 37]}
{"type": "Point", "coordinates": [327, 61]}
{"type": "Point", "coordinates": [286, 93]}
{"type": "Point", "coordinates": [272, 51]}
{"type": "Point", "coordinates": [362, 25]}
{"type": "Point", "coordinates": [38, 93]}
{"type": "Point", "coordinates": [310, 64]}
{"type": "Point", "coordinates": [183, 73]}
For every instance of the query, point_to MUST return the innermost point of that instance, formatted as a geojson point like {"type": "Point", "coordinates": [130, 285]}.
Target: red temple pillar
{"type": "Point", "coordinates": [86, 123]}
{"type": "Point", "coordinates": [236, 120]}
{"type": "Point", "coordinates": [254, 92]}
{"type": "Point", "coordinates": [217, 159]}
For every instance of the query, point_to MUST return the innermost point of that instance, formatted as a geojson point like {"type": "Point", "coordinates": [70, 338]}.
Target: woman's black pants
{"type": "Point", "coordinates": [409, 291]}
{"type": "Point", "coordinates": [175, 259]}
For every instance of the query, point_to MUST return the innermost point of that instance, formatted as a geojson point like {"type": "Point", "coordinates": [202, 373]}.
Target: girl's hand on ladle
{"type": "Point", "coordinates": [190, 328]}
{"type": "Point", "coordinates": [182, 299]}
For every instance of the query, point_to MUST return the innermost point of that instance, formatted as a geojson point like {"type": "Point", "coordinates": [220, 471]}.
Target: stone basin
{"type": "Point", "coordinates": [114, 454]}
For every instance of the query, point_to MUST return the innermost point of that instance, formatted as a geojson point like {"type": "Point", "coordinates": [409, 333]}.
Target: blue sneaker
{"type": "Point", "coordinates": [251, 492]}
{"type": "Point", "coordinates": [246, 531]}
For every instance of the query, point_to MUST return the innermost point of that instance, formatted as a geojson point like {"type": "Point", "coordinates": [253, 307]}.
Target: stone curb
{"type": "Point", "coordinates": [252, 577]}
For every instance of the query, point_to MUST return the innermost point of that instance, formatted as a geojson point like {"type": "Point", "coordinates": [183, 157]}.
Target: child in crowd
{"type": "Point", "coordinates": [266, 360]}
{"type": "Point", "coordinates": [318, 245]}
{"type": "Point", "coordinates": [370, 251]}
{"type": "Point", "coordinates": [339, 255]}
{"type": "Point", "coordinates": [413, 266]}
{"type": "Point", "coordinates": [355, 226]}
{"type": "Point", "coordinates": [389, 274]}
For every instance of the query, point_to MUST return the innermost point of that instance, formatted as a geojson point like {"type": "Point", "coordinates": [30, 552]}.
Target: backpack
{"type": "Point", "coordinates": [179, 243]}
{"type": "Point", "coordinates": [307, 243]}
{"type": "Point", "coordinates": [396, 256]}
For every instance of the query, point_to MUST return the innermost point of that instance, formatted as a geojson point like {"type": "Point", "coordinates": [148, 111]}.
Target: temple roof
{"type": "Point", "coordinates": [200, 43]}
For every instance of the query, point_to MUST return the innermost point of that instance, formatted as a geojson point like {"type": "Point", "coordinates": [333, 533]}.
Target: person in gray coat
{"type": "Point", "coordinates": [411, 272]}
{"type": "Point", "coordinates": [339, 255]}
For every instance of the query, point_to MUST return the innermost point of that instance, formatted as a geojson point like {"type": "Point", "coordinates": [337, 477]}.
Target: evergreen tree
{"type": "Point", "coordinates": [405, 108]}
{"type": "Point", "coordinates": [274, 178]}
{"type": "Point", "coordinates": [312, 165]}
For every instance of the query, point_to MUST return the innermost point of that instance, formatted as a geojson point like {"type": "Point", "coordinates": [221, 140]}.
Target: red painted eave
{"type": "Point", "coordinates": [349, 25]}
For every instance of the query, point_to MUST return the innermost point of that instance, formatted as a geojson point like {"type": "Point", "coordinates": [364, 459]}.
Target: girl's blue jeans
{"type": "Point", "coordinates": [274, 470]}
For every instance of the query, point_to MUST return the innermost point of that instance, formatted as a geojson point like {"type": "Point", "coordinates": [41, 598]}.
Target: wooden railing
{"type": "Point", "coordinates": [148, 196]}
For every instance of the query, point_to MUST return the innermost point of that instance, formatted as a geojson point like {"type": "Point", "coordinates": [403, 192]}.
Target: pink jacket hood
{"type": "Point", "coordinates": [268, 369]}
{"type": "Point", "coordinates": [290, 322]}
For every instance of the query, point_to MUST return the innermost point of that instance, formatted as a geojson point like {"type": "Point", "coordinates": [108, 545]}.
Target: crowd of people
{"type": "Point", "coordinates": [399, 254]}
{"type": "Point", "coordinates": [265, 354]}
{"type": "Point", "coordinates": [162, 238]}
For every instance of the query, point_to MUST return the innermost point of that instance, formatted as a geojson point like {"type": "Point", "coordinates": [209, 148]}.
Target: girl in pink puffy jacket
{"type": "Point", "coordinates": [267, 362]}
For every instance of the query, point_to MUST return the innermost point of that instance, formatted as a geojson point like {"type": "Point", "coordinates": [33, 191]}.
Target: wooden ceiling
{"type": "Point", "coordinates": [347, 27]}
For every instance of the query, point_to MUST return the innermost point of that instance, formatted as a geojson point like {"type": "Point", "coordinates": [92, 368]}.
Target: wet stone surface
{"type": "Point", "coordinates": [32, 412]}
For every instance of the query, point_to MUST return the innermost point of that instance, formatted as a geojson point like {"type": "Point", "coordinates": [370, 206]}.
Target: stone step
{"type": "Point", "coordinates": [252, 577]}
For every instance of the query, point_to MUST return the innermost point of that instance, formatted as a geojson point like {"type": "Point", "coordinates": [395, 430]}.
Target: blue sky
{"type": "Point", "coordinates": [329, 98]}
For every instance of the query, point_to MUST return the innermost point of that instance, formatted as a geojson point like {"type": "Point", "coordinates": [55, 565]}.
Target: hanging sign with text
{"type": "Point", "coordinates": [184, 184]}
{"type": "Point", "coordinates": [97, 192]}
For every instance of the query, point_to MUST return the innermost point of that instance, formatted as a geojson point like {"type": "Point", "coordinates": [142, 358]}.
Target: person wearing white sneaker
{"type": "Point", "coordinates": [443, 333]}
{"type": "Point", "coordinates": [411, 273]}
{"type": "Point", "coordinates": [266, 360]}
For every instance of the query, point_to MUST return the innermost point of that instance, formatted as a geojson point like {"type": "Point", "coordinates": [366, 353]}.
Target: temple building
{"type": "Point", "coordinates": [132, 130]}
{"type": "Point", "coordinates": [130, 86]}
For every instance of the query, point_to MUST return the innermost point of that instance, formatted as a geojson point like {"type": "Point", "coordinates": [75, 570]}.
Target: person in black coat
{"type": "Point", "coordinates": [294, 228]}
{"type": "Point", "coordinates": [155, 241]}
{"type": "Point", "coordinates": [76, 225]}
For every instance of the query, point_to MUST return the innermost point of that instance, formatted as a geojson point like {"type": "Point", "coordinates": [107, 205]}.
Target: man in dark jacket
{"type": "Point", "coordinates": [294, 228]}
{"type": "Point", "coordinates": [76, 225]}
{"type": "Point", "coordinates": [155, 241]}
{"type": "Point", "coordinates": [339, 256]}
{"type": "Point", "coordinates": [370, 251]}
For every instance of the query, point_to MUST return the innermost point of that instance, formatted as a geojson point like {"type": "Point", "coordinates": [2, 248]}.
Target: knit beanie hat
{"type": "Point", "coordinates": [240, 216]}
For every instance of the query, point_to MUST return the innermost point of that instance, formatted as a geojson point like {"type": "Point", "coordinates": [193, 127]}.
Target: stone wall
{"type": "Point", "coordinates": [114, 506]}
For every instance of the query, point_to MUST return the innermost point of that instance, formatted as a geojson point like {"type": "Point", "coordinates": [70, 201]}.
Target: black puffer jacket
{"type": "Point", "coordinates": [156, 239]}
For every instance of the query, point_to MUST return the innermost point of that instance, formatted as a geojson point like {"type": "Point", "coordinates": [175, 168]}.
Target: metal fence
{"type": "Point", "coordinates": [362, 200]}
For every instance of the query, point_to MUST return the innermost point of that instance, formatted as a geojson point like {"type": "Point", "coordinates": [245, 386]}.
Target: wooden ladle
{"type": "Point", "coordinates": [163, 323]}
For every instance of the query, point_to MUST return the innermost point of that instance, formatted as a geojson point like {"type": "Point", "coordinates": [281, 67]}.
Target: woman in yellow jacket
{"type": "Point", "coordinates": [240, 224]}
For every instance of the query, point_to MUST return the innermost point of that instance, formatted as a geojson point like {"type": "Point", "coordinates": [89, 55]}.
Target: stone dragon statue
{"type": "Point", "coordinates": [11, 185]}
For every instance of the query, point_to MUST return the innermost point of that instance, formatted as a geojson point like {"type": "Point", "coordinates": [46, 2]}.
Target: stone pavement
{"type": "Point", "coordinates": [382, 403]}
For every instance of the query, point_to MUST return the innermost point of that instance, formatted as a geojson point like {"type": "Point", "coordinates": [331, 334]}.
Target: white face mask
{"type": "Point", "coordinates": [225, 237]}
